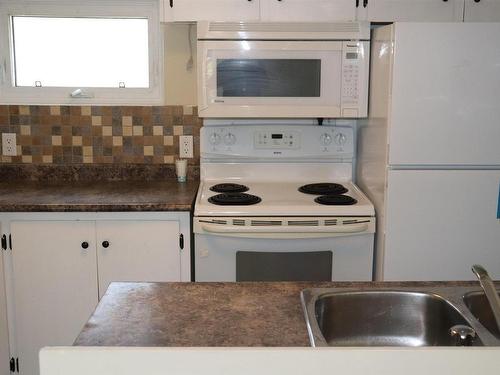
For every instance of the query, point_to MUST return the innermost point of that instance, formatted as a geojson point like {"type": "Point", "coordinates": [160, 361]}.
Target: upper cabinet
{"type": "Point", "coordinates": [307, 10]}
{"type": "Point", "coordinates": [410, 10]}
{"type": "Point", "coordinates": [213, 10]}
{"type": "Point", "coordinates": [331, 10]}
{"type": "Point", "coordinates": [482, 11]}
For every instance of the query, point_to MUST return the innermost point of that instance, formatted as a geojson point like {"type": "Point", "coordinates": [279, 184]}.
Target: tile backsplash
{"type": "Point", "coordinates": [62, 135]}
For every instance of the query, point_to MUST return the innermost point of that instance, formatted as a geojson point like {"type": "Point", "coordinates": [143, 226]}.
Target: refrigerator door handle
{"type": "Point", "coordinates": [498, 202]}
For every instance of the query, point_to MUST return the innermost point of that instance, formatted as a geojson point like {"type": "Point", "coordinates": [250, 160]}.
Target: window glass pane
{"type": "Point", "coordinates": [81, 52]}
{"type": "Point", "coordinates": [268, 77]}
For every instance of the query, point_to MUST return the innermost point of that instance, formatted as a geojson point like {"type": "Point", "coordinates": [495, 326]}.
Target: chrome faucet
{"type": "Point", "coordinates": [489, 290]}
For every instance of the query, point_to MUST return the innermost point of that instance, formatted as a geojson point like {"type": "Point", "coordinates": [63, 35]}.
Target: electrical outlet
{"type": "Point", "coordinates": [186, 146]}
{"type": "Point", "coordinates": [9, 147]}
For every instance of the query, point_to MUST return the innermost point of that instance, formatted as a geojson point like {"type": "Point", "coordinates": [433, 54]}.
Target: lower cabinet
{"type": "Point", "coordinates": [59, 267]}
{"type": "Point", "coordinates": [137, 251]}
{"type": "Point", "coordinates": [55, 284]}
{"type": "Point", "coordinates": [4, 333]}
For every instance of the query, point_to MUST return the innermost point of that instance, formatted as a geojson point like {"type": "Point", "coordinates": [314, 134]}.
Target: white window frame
{"type": "Point", "coordinates": [10, 94]}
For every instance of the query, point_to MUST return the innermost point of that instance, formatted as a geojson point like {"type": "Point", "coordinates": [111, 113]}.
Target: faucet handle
{"type": "Point", "coordinates": [463, 335]}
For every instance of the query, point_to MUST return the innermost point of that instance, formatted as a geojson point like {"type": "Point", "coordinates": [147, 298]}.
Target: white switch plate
{"type": "Point", "coordinates": [186, 146]}
{"type": "Point", "coordinates": [9, 147]}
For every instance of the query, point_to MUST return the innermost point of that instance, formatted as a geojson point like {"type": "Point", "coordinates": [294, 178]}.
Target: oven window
{"type": "Point", "coordinates": [283, 266]}
{"type": "Point", "coordinates": [268, 77]}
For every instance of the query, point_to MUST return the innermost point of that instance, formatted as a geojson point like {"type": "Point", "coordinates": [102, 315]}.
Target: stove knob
{"type": "Point", "coordinates": [340, 139]}
{"type": "Point", "coordinates": [214, 139]}
{"type": "Point", "coordinates": [326, 139]}
{"type": "Point", "coordinates": [229, 139]}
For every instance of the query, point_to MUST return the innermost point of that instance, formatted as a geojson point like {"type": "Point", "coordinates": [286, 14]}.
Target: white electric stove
{"type": "Point", "coordinates": [277, 203]}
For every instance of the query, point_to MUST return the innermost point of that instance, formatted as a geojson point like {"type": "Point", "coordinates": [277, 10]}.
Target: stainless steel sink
{"type": "Point", "coordinates": [391, 317]}
{"type": "Point", "coordinates": [478, 305]}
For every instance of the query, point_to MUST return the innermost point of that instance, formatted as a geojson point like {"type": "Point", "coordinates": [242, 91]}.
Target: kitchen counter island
{"type": "Point", "coordinates": [209, 314]}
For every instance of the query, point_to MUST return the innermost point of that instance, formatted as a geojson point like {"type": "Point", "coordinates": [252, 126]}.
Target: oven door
{"type": "Point", "coordinates": [282, 78]}
{"type": "Point", "coordinates": [228, 252]}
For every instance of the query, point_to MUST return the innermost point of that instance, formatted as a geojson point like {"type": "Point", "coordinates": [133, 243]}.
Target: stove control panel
{"type": "Point", "coordinates": [277, 142]}
{"type": "Point", "coordinates": [272, 140]}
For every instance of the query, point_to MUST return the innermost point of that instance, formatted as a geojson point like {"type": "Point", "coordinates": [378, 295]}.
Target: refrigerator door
{"type": "Point", "coordinates": [445, 107]}
{"type": "Point", "coordinates": [440, 223]}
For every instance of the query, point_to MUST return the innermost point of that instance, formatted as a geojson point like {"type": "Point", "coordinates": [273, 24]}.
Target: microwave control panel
{"type": "Point", "coordinates": [352, 56]}
{"type": "Point", "coordinates": [271, 140]}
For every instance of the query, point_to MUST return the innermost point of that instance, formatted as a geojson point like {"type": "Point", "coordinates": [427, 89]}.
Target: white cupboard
{"type": "Point", "coordinates": [61, 264]}
{"type": "Point", "coordinates": [137, 251]}
{"type": "Point", "coordinates": [411, 10]}
{"type": "Point", "coordinates": [213, 10]}
{"type": "Point", "coordinates": [307, 10]}
{"type": "Point", "coordinates": [482, 11]}
{"type": "Point", "coordinates": [4, 335]}
{"type": "Point", "coordinates": [55, 284]}
{"type": "Point", "coordinates": [331, 10]}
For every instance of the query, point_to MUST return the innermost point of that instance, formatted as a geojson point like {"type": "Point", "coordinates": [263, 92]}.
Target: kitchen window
{"type": "Point", "coordinates": [106, 52]}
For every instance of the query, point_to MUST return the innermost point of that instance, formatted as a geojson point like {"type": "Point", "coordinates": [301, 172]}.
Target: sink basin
{"type": "Point", "coordinates": [479, 307]}
{"type": "Point", "coordinates": [380, 318]}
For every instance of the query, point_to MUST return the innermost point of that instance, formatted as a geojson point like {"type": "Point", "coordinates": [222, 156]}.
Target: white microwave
{"type": "Point", "coordinates": [283, 69]}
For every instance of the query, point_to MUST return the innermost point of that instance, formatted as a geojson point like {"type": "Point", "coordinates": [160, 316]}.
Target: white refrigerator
{"type": "Point", "coordinates": [429, 152]}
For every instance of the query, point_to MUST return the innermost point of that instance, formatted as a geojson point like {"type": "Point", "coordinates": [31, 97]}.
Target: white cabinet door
{"type": "Point", "coordinates": [307, 10]}
{"type": "Point", "coordinates": [411, 10]}
{"type": "Point", "coordinates": [55, 284]}
{"type": "Point", "coordinates": [445, 107]}
{"type": "Point", "coordinates": [137, 251]}
{"type": "Point", "coordinates": [440, 223]}
{"type": "Point", "coordinates": [213, 10]}
{"type": "Point", "coordinates": [482, 11]}
{"type": "Point", "coordinates": [4, 331]}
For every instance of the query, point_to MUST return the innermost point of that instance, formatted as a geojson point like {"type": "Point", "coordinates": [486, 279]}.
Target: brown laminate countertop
{"type": "Point", "coordinates": [93, 196]}
{"type": "Point", "coordinates": [208, 314]}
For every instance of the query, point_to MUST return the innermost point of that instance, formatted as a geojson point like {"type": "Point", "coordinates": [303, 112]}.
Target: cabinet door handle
{"type": "Point", "coordinates": [171, 3]}
{"type": "Point", "coordinates": [477, 1]}
{"type": "Point", "coordinates": [357, 3]}
{"type": "Point", "coordinates": [85, 245]}
{"type": "Point", "coordinates": [105, 244]}
{"type": "Point", "coordinates": [365, 3]}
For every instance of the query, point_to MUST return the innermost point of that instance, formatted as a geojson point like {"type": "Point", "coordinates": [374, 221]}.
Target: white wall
{"type": "Point", "coordinates": [180, 83]}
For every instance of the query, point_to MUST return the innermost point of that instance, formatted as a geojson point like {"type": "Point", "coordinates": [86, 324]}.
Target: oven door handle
{"type": "Point", "coordinates": [233, 230]}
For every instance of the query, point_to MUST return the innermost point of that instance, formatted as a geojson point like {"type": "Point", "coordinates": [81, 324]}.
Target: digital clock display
{"type": "Point", "coordinates": [277, 136]}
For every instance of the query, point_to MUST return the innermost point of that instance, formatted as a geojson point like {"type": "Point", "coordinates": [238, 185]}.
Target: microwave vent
{"type": "Point", "coordinates": [295, 27]}
{"type": "Point", "coordinates": [283, 31]}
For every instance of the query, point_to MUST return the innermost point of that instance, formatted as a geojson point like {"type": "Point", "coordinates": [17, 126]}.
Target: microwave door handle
{"type": "Point", "coordinates": [334, 229]}
{"type": "Point", "coordinates": [202, 97]}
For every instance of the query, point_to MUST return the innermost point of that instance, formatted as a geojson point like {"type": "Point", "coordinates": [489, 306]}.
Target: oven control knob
{"type": "Point", "coordinates": [340, 139]}
{"type": "Point", "coordinates": [326, 139]}
{"type": "Point", "coordinates": [214, 139]}
{"type": "Point", "coordinates": [229, 139]}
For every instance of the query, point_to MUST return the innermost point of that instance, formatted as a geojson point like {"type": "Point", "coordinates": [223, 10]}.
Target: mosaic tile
{"type": "Point", "coordinates": [72, 135]}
